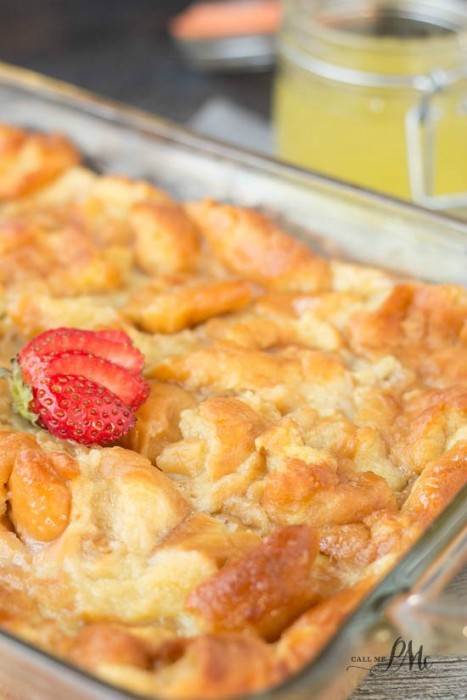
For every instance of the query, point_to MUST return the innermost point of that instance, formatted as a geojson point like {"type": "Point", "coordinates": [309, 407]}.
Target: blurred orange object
{"type": "Point", "coordinates": [206, 20]}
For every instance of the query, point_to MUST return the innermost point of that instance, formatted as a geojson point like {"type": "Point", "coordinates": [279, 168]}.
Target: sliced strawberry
{"type": "Point", "coordinates": [74, 408]}
{"type": "Point", "coordinates": [114, 346]}
{"type": "Point", "coordinates": [80, 385]}
{"type": "Point", "coordinates": [129, 388]}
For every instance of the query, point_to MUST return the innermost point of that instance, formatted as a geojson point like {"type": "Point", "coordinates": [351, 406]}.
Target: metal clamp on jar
{"type": "Point", "coordinates": [375, 92]}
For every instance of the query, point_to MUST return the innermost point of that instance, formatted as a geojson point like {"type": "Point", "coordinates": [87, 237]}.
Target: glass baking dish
{"type": "Point", "coordinates": [334, 219]}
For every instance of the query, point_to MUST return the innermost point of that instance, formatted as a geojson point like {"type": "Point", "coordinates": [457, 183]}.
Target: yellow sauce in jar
{"type": "Point", "coordinates": [345, 88]}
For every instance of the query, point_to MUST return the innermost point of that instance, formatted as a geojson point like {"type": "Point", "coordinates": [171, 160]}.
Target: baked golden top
{"type": "Point", "coordinates": [307, 421]}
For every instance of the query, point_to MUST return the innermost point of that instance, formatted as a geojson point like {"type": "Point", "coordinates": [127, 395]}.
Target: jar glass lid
{"type": "Point", "coordinates": [415, 36]}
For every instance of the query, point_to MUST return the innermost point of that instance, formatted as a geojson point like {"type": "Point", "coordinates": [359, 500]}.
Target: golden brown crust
{"type": "Point", "coordinates": [30, 161]}
{"type": "Point", "coordinates": [158, 420]}
{"type": "Point", "coordinates": [99, 643]}
{"type": "Point", "coordinates": [39, 500]}
{"type": "Point", "coordinates": [307, 421]}
{"type": "Point", "coordinates": [220, 665]}
{"type": "Point", "coordinates": [250, 245]}
{"type": "Point", "coordinates": [265, 589]}
{"type": "Point", "coordinates": [304, 638]}
{"type": "Point", "coordinates": [166, 239]}
{"type": "Point", "coordinates": [171, 304]}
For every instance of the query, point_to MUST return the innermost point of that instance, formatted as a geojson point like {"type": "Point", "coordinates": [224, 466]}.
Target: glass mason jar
{"type": "Point", "coordinates": [375, 92]}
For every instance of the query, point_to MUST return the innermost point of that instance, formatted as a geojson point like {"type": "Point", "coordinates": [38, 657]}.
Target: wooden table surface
{"type": "Point", "coordinates": [121, 49]}
{"type": "Point", "coordinates": [446, 679]}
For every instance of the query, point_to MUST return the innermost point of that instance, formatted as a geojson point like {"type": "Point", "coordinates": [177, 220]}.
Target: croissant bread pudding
{"type": "Point", "coordinates": [304, 421]}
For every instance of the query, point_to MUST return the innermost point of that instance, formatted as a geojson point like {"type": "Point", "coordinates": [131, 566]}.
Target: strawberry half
{"type": "Point", "coordinates": [114, 346]}
{"type": "Point", "coordinates": [129, 388]}
{"type": "Point", "coordinates": [74, 408]}
{"type": "Point", "coordinates": [80, 385]}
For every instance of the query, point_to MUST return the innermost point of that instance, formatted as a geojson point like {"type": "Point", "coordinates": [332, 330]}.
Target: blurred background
{"type": "Point", "coordinates": [122, 49]}
{"type": "Point", "coordinates": [189, 66]}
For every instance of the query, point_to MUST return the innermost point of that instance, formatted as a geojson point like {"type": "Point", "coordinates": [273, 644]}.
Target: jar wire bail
{"type": "Point", "coordinates": [421, 136]}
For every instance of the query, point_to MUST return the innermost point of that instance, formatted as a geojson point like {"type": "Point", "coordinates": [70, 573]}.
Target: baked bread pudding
{"type": "Point", "coordinates": [306, 421]}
